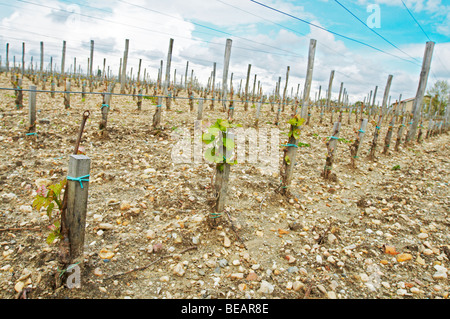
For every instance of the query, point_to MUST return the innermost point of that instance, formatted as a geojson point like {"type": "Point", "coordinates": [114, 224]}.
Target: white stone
{"type": "Point", "coordinates": [179, 270]}
{"type": "Point", "coordinates": [266, 287]}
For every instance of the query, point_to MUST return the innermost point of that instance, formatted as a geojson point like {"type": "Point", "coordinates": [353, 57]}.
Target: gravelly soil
{"type": "Point", "coordinates": [329, 239]}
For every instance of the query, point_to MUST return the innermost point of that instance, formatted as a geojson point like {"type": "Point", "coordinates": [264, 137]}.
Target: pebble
{"type": "Point", "coordinates": [125, 205]}
{"type": "Point", "coordinates": [226, 242]}
{"type": "Point", "coordinates": [26, 209]}
{"type": "Point", "coordinates": [441, 272]}
{"type": "Point", "coordinates": [237, 275]}
{"type": "Point", "coordinates": [423, 235]}
{"type": "Point", "coordinates": [164, 278]}
{"type": "Point", "coordinates": [105, 254]}
{"type": "Point", "coordinates": [266, 287]}
{"type": "Point", "coordinates": [297, 285]}
{"type": "Point", "coordinates": [179, 270]}
{"type": "Point", "coordinates": [105, 226]}
{"type": "Point", "coordinates": [290, 259]}
{"type": "Point", "coordinates": [150, 234]}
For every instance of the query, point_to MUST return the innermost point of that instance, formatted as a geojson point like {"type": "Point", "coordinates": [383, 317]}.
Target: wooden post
{"type": "Point", "coordinates": [212, 85]}
{"type": "Point", "coordinates": [246, 88]}
{"type": "Point", "coordinates": [23, 59]}
{"type": "Point", "coordinates": [258, 109]}
{"type": "Point", "coordinates": [67, 95]}
{"type": "Point", "coordinates": [167, 80]}
{"type": "Point", "coordinates": [91, 59]}
{"type": "Point", "coordinates": [331, 148]}
{"type": "Point", "coordinates": [277, 99]}
{"type": "Point", "coordinates": [63, 59]}
{"type": "Point", "coordinates": [105, 109]}
{"type": "Point", "coordinates": [354, 148]}
{"type": "Point", "coordinates": [330, 84]}
{"type": "Point", "coordinates": [226, 65]}
{"type": "Point", "coordinates": [380, 118]}
{"type": "Point", "coordinates": [285, 88]}
{"type": "Point", "coordinates": [289, 159]}
{"type": "Point", "coordinates": [41, 68]}
{"type": "Point", "coordinates": [200, 109]}
{"type": "Point", "coordinates": [371, 106]}
{"type": "Point", "coordinates": [32, 110]}
{"type": "Point", "coordinates": [19, 94]}
{"type": "Point", "coordinates": [426, 63]}
{"type": "Point", "coordinates": [186, 74]}
{"type": "Point", "coordinates": [77, 200]}
{"type": "Point", "coordinates": [157, 114]}
{"type": "Point", "coordinates": [124, 67]}
{"type": "Point", "coordinates": [7, 58]}
{"type": "Point", "coordinates": [339, 104]}
{"type": "Point", "coordinates": [309, 74]}
{"type": "Point", "coordinates": [387, 140]}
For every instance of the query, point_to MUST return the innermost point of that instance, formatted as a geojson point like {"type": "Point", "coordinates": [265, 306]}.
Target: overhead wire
{"type": "Point", "coordinates": [330, 31]}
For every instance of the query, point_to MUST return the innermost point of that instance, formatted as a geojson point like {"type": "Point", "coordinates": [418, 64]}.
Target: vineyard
{"type": "Point", "coordinates": [352, 210]}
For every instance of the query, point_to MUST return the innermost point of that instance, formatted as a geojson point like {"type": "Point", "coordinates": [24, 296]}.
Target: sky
{"type": "Point", "coordinates": [363, 41]}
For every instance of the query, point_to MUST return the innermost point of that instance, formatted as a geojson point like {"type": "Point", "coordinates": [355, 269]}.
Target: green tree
{"type": "Point", "coordinates": [439, 93]}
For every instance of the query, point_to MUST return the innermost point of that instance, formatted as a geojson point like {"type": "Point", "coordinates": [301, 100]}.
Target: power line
{"type": "Point", "coordinates": [206, 27]}
{"type": "Point", "coordinates": [371, 29]}
{"type": "Point", "coordinates": [332, 32]}
{"type": "Point", "coordinates": [415, 20]}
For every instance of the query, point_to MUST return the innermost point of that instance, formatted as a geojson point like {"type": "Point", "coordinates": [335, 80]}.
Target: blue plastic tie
{"type": "Point", "coordinates": [289, 145]}
{"type": "Point", "coordinates": [361, 131]}
{"type": "Point", "coordinates": [334, 137]}
{"type": "Point", "coordinates": [377, 127]}
{"type": "Point", "coordinates": [80, 179]}
{"type": "Point", "coordinates": [231, 108]}
{"type": "Point", "coordinates": [159, 105]}
{"type": "Point", "coordinates": [104, 105]}
{"type": "Point", "coordinates": [31, 133]}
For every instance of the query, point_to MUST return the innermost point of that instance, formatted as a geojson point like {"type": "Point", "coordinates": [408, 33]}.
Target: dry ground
{"type": "Point", "coordinates": [328, 240]}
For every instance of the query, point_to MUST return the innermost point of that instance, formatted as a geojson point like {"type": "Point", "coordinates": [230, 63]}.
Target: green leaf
{"type": "Point", "coordinates": [296, 134]}
{"type": "Point", "coordinates": [50, 209]}
{"type": "Point", "coordinates": [208, 138]}
{"type": "Point", "coordinates": [228, 143]}
{"type": "Point", "coordinates": [51, 238]}
{"type": "Point", "coordinates": [287, 160]}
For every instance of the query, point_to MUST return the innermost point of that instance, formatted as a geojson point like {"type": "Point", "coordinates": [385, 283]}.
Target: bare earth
{"type": "Point", "coordinates": [328, 240]}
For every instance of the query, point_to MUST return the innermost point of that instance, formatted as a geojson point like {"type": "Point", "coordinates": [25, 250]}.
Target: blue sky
{"type": "Point", "coordinates": [268, 40]}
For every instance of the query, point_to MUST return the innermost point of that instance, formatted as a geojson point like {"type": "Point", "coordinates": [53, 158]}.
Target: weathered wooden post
{"type": "Point", "coordinates": [32, 111]}
{"type": "Point", "coordinates": [330, 84]}
{"type": "Point", "coordinates": [77, 200]}
{"type": "Point", "coordinates": [401, 128]}
{"type": "Point", "coordinates": [19, 94]}
{"type": "Point", "coordinates": [167, 80]}
{"type": "Point", "coordinates": [200, 109]}
{"type": "Point", "coordinates": [91, 59]}
{"type": "Point", "coordinates": [157, 114]}
{"type": "Point", "coordinates": [124, 67]}
{"type": "Point", "coordinates": [426, 63]}
{"type": "Point", "coordinates": [213, 83]}
{"type": "Point", "coordinates": [285, 88]}
{"type": "Point", "coordinates": [246, 88]}
{"type": "Point", "coordinates": [105, 109]}
{"type": "Point", "coordinates": [226, 65]}
{"type": "Point", "coordinates": [67, 95]}
{"type": "Point", "coordinates": [387, 140]}
{"type": "Point", "coordinates": [290, 153]}
{"type": "Point", "coordinates": [309, 74]}
{"type": "Point", "coordinates": [7, 58]}
{"type": "Point", "coordinates": [331, 148]}
{"type": "Point", "coordinates": [23, 59]}
{"type": "Point", "coordinates": [354, 148]}
{"type": "Point", "coordinates": [380, 118]}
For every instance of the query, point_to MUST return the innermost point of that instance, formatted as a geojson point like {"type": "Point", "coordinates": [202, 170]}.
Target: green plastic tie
{"type": "Point", "coordinates": [80, 179]}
